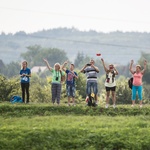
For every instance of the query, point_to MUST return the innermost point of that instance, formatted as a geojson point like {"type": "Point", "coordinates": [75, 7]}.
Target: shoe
{"type": "Point", "coordinates": [132, 105]}
{"type": "Point", "coordinates": [106, 106]}
{"type": "Point", "coordinates": [96, 102]}
{"type": "Point", "coordinates": [141, 106]}
{"type": "Point", "coordinates": [87, 99]}
{"type": "Point", "coordinates": [114, 106]}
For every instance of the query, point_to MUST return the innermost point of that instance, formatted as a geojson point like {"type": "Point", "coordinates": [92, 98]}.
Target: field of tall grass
{"type": "Point", "coordinates": [47, 127]}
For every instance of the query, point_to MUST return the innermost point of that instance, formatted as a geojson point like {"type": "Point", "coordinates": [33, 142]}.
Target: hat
{"type": "Point", "coordinates": [138, 66]}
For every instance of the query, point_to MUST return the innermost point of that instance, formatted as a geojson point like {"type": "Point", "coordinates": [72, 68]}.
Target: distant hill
{"type": "Point", "coordinates": [115, 47]}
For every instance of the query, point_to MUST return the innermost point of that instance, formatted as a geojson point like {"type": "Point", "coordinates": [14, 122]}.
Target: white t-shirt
{"type": "Point", "coordinates": [110, 79]}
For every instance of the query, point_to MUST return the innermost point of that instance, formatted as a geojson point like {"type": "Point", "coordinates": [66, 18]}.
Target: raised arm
{"type": "Point", "coordinates": [63, 66]}
{"type": "Point", "coordinates": [130, 68]}
{"type": "Point", "coordinates": [47, 64]}
{"type": "Point", "coordinates": [104, 65]}
{"type": "Point", "coordinates": [82, 70]}
{"type": "Point", "coordinates": [145, 64]}
{"type": "Point", "coordinates": [116, 71]}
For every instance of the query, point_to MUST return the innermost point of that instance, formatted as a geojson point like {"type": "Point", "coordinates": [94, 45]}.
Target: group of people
{"type": "Point", "coordinates": [91, 72]}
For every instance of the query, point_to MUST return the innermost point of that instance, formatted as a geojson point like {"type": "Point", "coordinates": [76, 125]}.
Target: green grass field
{"type": "Point", "coordinates": [47, 127]}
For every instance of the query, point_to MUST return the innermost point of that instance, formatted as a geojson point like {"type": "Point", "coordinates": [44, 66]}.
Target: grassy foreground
{"type": "Point", "coordinates": [44, 127]}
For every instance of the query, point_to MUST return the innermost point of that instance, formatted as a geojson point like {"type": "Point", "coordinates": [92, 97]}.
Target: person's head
{"type": "Point", "coordinates": [111, 67]}
{"type": "Point", "coordinates": [92, 61]}
{"type": "Point", "coordinates": [71, 67]}
{"type": "Point", "coordinates": [57, 66]}
{"type": "Point", "coordinates": [138, 68]}
{"type": "Point", "coordinates": [24, 64]}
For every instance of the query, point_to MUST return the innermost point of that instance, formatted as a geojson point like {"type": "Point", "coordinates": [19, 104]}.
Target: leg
{"type": "Point", "coordinates": [95, 90]}
{"type": "Point", "coordinates": [88, 92]}
{"type": "Point", "coordinates": [107, 96]}
{"type": "Point", "coordinates": [133, 95]}
{"type": "Point", "coordinates": [27, 91]}
{"type": "Point", "coordinates": [58, 93]}
{"type": "Point", "coordinates": [114, 95]}
{"type": "Point", "coordinates": [73, 89]}
{"type": "Point", "coordinates": [114, 98]}
{"type": "Point", "coordinates": [68, 94]}
{"type": "Point", "coordinates": [140, 88]}
{"type": "Point", "coordinates": [23, 91]}
{"type": "Point", "coordinates": [53, 90]}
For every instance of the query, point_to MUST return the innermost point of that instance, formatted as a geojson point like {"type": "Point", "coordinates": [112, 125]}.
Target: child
{"type": "Point", "coordinates": [70, 82]}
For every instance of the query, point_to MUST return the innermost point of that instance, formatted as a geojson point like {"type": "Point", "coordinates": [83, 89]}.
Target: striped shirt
{"type": "Point", "coordinates": [91, 74]}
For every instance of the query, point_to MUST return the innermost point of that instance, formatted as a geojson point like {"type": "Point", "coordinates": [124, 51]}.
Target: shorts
{"type": "Point", "coordinates": [70, 90]}
{"type": "Point", "coordinates": [91, 87]}
{"type": "Point", "coordinates": [111, 88]}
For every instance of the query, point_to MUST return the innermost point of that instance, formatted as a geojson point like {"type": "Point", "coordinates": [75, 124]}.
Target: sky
{"type": "Point", "coordinates": [99, 15]}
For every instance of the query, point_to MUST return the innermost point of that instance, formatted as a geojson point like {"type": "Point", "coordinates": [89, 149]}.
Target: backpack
{"type": "Point", "coordinates": [16, 99]}
{"type": "Point", "coordinates": [130, 82]}
{"type": "Point", "coordinates": [63, 77]}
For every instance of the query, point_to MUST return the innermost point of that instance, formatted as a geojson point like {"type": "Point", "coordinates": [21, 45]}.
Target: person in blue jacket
{"type": "Point", "coordinates": [25, 74]}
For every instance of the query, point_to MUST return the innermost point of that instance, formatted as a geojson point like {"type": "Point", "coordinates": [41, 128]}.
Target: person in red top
{"type": "Point", "coordinates": [137, 81]}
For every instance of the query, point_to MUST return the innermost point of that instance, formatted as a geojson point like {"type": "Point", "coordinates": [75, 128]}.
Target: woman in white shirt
{"type": "Point", "coordinates": [110, 83]}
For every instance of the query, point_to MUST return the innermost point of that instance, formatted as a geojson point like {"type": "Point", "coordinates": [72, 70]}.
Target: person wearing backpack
{"type": "Point", "coordinates": [25, 74]}
{"type": "Point", "coordinates": [56, 81]}
{"type": "Point", "coordinates": [137, 81]}
{"type": "Point", "coordinates": [110, 83]}
{"type": "Point", "coordinates": [70, 82]}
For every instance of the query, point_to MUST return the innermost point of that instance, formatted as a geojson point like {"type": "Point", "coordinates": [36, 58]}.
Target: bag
{"type": "Point", "coordinates": [16, 99]}
{"type": "Point", "coordinates": [63, 77]}
{"type": "Point", "coordinates": [130, 82]}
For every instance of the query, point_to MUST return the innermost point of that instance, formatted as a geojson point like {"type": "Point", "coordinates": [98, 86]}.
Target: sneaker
{"type": "Point", "coordinates": [106, 106]}
{"type": "Point", "coordinates": [132, 105]}
{"type": "Point", "coordinates": [141, 106]}
{"type": "Point", "coordinates": [96, 103]}
{"type": "Point", "coordinates": [87, 99]}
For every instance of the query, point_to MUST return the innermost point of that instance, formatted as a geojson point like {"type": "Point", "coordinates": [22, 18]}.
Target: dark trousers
{"type": "Point", "coordinates": [56, 92]}
{"type": "Point", "coordinates": [25, 89]}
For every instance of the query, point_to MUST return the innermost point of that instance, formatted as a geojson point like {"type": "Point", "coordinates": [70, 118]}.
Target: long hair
{"type": "Point", "coordinates": [56, 65]}
{"type": "Point", "coordinates": [24, 62]}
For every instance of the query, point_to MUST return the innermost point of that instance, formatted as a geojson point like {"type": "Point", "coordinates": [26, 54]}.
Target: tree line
{"type": "Point", "coordinates": [40, 82]}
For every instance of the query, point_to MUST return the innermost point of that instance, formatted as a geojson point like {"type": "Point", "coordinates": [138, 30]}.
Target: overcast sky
{"type": "Point", "coordinates": [99, 15]}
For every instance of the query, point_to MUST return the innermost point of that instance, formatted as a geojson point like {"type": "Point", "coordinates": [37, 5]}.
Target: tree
{"type": "Point", "coordinates": [32, 52]}
{"type": "Point", "coordinates": [146, 77]}
{"type": "Point", "coordinates": [12, 69]}
{"type": "Point", "coordinates": [35, 55]}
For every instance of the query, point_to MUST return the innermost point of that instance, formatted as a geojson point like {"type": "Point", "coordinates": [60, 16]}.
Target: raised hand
{"type": "Point", "coordinates": [132, 61]}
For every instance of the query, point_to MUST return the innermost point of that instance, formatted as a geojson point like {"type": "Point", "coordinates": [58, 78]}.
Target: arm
{"type": "Point", "coordinates": [28, 75]}
{"type": "Point", "coordinates": [74, 74]}
{"type": "Point", "coordinates": [63, 66]}
{"type": "Point", "coordinates": [48, 66]}
{"type": "Point", "coordinates": [116, 72]}
{"type": "Point", "coordinates": [145, 63]}
{"type": "Point", "coordinates": [96, 68]}
{"type": "Point", "coordinates": [130, 68]}
{"type": "Point", "coordinates": [82, 70]}
{"type": "Point", "coordinates": [104, 65]}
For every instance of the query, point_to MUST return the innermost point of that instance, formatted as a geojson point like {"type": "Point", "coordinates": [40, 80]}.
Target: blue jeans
{"type": "Point", "coordinates": [137, 89]}
{"type": "Point", "coordinates": [91, 86]}
{"type": "Point", "coordinates": [70, 90]}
